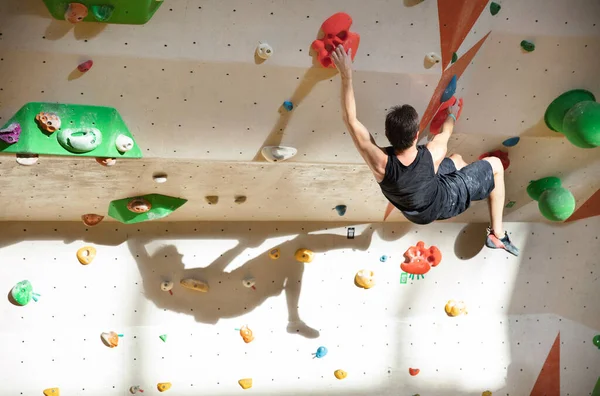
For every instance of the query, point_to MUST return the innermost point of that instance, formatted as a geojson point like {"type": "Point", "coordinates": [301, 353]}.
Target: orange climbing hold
{"type": "Point", "coordinates": [442, 115]}
{"type": "Point", "coordinates": [336, 31]}
{"type": "Point", "coordinates": [419, 260]}
{"type": "Point", "coordinates": [503, 155]}
{"type": "Point", "coordinates": [246, 334]}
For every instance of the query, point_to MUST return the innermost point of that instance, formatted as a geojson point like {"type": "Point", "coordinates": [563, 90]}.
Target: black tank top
{"type": "Point", "coordinates": [416, 190]}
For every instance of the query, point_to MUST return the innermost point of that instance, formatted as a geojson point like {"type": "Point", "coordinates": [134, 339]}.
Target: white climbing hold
{"type": "Point", "coordinates": [27, 159]}
{"type": "Point", "coordinates": [160, 178]}
{"type": "Point", "coordinates": [278, 153]}
{"type": "Point", "coordinates": [432, 59]}
{"type": "Point", "coordinates": [124, 143]}
{"type": "Point", "coordinates": [264, 51]}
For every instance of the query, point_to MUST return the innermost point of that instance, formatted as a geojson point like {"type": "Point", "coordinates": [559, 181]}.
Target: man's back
{"type": "Point", "coordinates": [419, 192]}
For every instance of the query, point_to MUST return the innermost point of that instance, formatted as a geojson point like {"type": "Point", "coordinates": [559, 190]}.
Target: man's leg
{"type": "Point", "coordinates": [496, 198]}
{"type": "Point", "coordinates": [498, 239]}
{"type": "Point", "coordinates": [459, 163]}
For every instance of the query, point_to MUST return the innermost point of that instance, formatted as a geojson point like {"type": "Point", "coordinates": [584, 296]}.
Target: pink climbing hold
{"type": "Point", "coordinates": [85, 66]}
{"type": "Point", "coordinates": [11, 134]}
{"type": "Point", "coordinates": [503, 155]}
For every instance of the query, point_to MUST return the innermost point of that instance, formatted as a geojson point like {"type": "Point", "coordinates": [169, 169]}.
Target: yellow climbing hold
{"type": "Point", "coordinates": [340, 374]}
{"type": "Point", "coordinates": [163, 386]}
{"type": "Point", "coordinates": [194, 284]}
{"type": "Point", "coordinates": [245, 383]}
{"type": "Point", "coordinates": [486, 393]}
{"type": "Point", "coordinates": [274, 253]}
{"type": "Point", "coordinates": [52, 392]}
{"type": "Point", "coordinates": [304, 255]}
{"type": "Point", "coordinates": [86, 254]}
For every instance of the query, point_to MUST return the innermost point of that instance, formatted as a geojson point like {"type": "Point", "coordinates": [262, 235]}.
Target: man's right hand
{"type": "Point", "coordinates": [454, 109]}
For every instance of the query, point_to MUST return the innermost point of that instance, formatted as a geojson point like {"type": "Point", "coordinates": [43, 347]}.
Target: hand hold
{"type": "Point", "coordinates": [85, 66]}
{"type": "Point", "coordinates": [22, 293]}
{"type": "Point", "coordinates": [413, 371]}
{"type": "Point", "coordinates": [139, 205]}
{"type": "Point", "coordinates": [264, 51]}
{"type": "Point", "coordinates": [160, 178]}
{"type": "Point", "coordinates": [431, 59]}
{"type": "Point", "coordinates": [86, 254]}
{"type": "Point", "coordinates": [110, 339]}
{"type": "Point", "coordinates": [365, 279]}
{"type": "Point", "coordinates": [249, 283]}
{"type": "Point", "coordinates": [212, 199]}
{"type": "Point", "coordinates": [340, 374]}
{"type": "Point", "coordinates": [52, 392]}
{"type": "Point", "coordinates": [106, 161]}
{"type": "Point", "coordinates": [289, 106]}
{"type": "Point", "coordinates": [76, 12]}
{"type": "Point", "coordinates": [163, 337]}
{"type": "Point", "coordinates": [240, 199]}
{"type": "Point", "coordinates": [321, 352]}
{"type": "Point", "coordinates": [167, 286]}
{"type": "Point", "coordinates": [495, 8]}
{"type": "Point", "coordinates": [163, 386]}
{"type": "Point", "coordinates": [245, 383]}
{"type": "Point", "coordinates": [124, 143]}
{"type": "Point", "coordinates": [510, 142]}
{"type": "Point", "coordinates": [91, 219]}
{"type": "Point", "coordinates": [454, 308]}
{"type": "Point", "coordinates": [48, 122]}
{"type": "Point", "coordinates": [304, 255]}
{"type": "Point", "coordinates": [135, 389]}
{"type": "Point", "coordinates": [528, 46]}
{"type": "Point", "coordinates": [194, 284]}
{"type": "Point", "coordinates": [335, 32]}
{"type": "Point", "coordinates": [102, 13]}
{"type": "Point", "coordinates": [274, 253]}
{"type": "Point", "coordinates": [486, 393]}
{"type": "Point", "coordinates": [80, 140]}
{"type": "Point", "coordinates": [341, 209]}
{"type": "Point", "coordinates": [450, 90]}
{"type": "Point", "coordinates": [278, 153]}
{"type": "Point", "coordinates": [27, 159]}
{"type": "Point", "coordinates": [419, 260]}
{"type": "Point", "coordinates": [246, 334]}
{"type": "Point", "coordinates": [11, 133]}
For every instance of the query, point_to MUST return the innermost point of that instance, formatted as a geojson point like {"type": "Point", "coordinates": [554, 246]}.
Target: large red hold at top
{"type": "Point", "coordinates": [336, 31]}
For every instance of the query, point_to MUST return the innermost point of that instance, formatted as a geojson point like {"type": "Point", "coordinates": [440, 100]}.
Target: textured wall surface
{"type": "Point", "coordinates": [516, 309]}
{"type": "Point", "coordinates": [190, 89]}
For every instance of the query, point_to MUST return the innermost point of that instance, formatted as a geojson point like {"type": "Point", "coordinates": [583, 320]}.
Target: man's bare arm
{"type": "Point", "coordinates": [439, 145]}
{"type": "Point", "coordinates": [364, 142]}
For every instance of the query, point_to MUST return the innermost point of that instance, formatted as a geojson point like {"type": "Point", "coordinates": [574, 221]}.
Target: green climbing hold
{"type": "Point", "coordinates": [556, 203]}
{"type": "Point", "coordinates": [102, 13]}
{"type": "Point", "coordinates": [537, 187]}
{"type": "Point", "coordinates": [163, 337]}
{"type": "Point", "coordinates": [454, 57]}
{"type": "Point", "coordinates": [22, 293]}
{"type": "Point", "coordinates": [576, 114]}
{"type": "Point", "coordinates": [527, 46]}
{"type": "Point", "coordinates": [596, 340]}
{"type": "Point", "coordinates": [581, 124]}
{"type": "Point", "coordinates": [156, 206]}
{"type": "Point", "coordinates": [495, 8]}
{"type": "Point", "coordinates": [596, 391]}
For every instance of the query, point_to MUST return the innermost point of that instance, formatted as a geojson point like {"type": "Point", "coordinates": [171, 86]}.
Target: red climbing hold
{"type": "Point", "coordinates": [419, 260]}
{"type": "Point", "coordinates": [413, 371]}
{"type": "Point", "coordinates": [442, 115]}
{"type": "Point", "coordinates": [335, 32]}
{"type": "Point", "coordinates": [85, 66]}
{"type": "Point", "coordinates": [503, 155]}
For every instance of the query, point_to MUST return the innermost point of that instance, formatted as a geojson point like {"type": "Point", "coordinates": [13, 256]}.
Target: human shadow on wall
{"type": "Point", "coordinates": [227, 296]}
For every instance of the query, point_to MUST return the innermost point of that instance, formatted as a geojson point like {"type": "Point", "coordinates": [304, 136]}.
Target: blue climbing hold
{"type": "Point", "coordinates": [288, 105]}
{"type": "Point", "coordinates": [341, 209]}
{"type": "Point", "coordinates": [450, 90]}
{"type": "Point", "coordinates": [321, 352]}
{"type": "Point", "coordinates": [383, 258]}
{"type": "Point", "coordinates": [511, 141]}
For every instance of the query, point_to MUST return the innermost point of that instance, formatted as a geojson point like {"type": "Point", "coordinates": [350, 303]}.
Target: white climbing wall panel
{"type": "Point", "coordinates": [516, 308]}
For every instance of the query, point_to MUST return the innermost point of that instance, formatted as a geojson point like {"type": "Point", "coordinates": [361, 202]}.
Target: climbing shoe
{"type": "Point", "coordinates": [493, 242]}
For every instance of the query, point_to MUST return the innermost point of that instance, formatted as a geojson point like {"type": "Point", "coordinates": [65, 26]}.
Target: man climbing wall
{"type": "Point", "coordinates": [420, 180]}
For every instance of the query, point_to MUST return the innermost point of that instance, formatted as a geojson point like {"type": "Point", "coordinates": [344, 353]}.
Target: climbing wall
{"type": "Point", "coordinates": [194, 95]}
{"type": "Point", "coordinates": [525, 313]}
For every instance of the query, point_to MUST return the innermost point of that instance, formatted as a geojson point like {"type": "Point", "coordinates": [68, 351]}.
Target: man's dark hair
{"type": "Point", "coordinates": [402, 126]}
